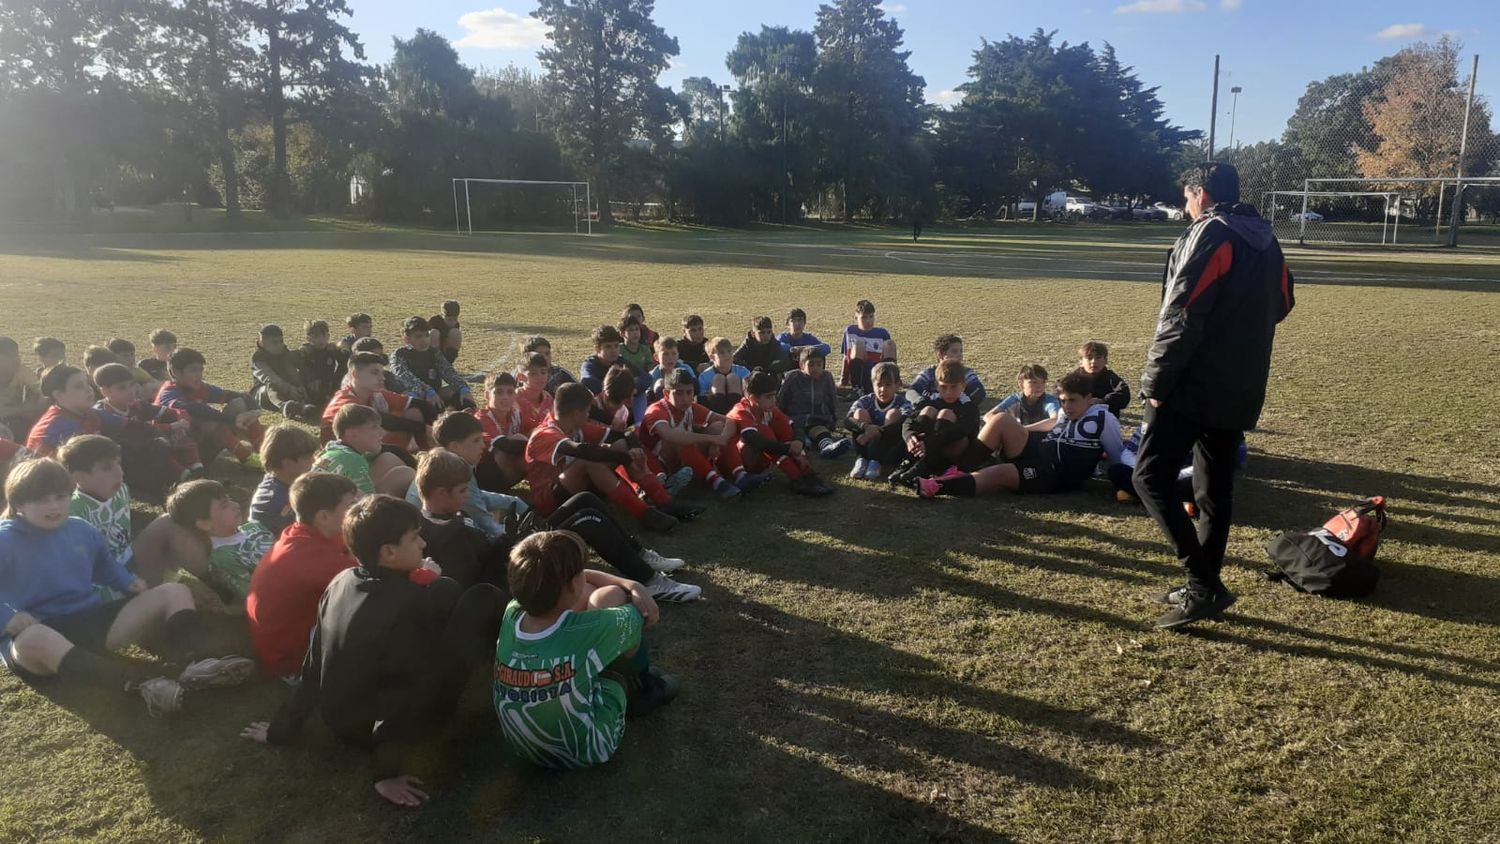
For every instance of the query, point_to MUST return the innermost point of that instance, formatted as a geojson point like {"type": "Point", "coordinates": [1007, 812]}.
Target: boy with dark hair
{"type": "Point", "coordinates": [533, 395]}
{"type": "Point", "coordinates": [163, 344]}
{"type": "Point", "coordinates": [666, 354]}
{"type": "Point", "coordinates": [282, 606]}
{"type": "Point", "coordinates": [425, 372]}
{"type": "Point", "coordinates": [1059, 459]}
{"type": "Point", "coordinates": [613, 406]}
{"type": "Point", "coordinates": [795, 336]}
{"type": "Point", "coordinates": [21, 402]}
{"type": "Point", "coordinates": [100, 495]}
{"type": "Point", "coordinates": [392, 649]}
{"type": "Point", "coordinates": [506, 424]}
{"type": "Point", "coordinates": [761, 350]}
{"type": "Point", "coordinates": [360, 325]}
{"type": "Point", "coordinates": [942, 429]}
{"type": "Point", "coordinates": [1030, 404]}
{"type": "Point", "coordinates": [461, 434]}
{"type": "Point", "coordinates": [70, 414]}
{"type": "Point", "coordinates": [1108, 388]}
{"type": "Point", "coordinates": [404, 419]}
{"type": "Point", "coordinates": [447, 337]}
{"type": "Point", "coordinates": [606, 356]}
{"type": "Point", "coordinates": [566, 455]}
{"type": "Point", "coordinates": [875, 422]}
{"type": "Point", "coordinates": [52, 620]}
{"type": "Point", "coordinates": [277, 372]}
{"type": "Point", "coordinates": [123, 350]}
{"type": "Point", "coordinates": [722, 385]}
{"type": "Point", "coordinates": [634, 350]}
{"type": "Point", "coordinates": [766, 438]}
{"type": "Point", "coordinates": [947, 347]}
{"type": "Point", "coordinates": [235, 547]}
{"type": "Point", "coordinates": [690, 349]}
{"type": "Point", "coordinates": [556, 375]}
{"type": "Point", "coordinates": [49, 352]}
{"type": "Point", "coordinates": [157, 369]}
{"type": "Point", "coordinates": [681, 431]}
{"type": "Point", "coordinates": [648, 337]}
{"type": "Point", "coordinates": [462, 550]}
{"type": "Point", "coordinates": [158, 446]}
{"type": "Point", "coordinates": [356, 453]}
{"type": "Point", "coordinates": [95, 357]}
{"type": "Point", "coordinates": [809, 398]}
{"type": "Point", "coordinates": [570, 662]}
{"type": "Point", "coordinates": [323, 364]}
{"type": "Point", "coordinates": [863, 346]}
{"type": "Point", "coordinates": [287, 453]}
{"type": "Point", "coordinates": [216, 429]}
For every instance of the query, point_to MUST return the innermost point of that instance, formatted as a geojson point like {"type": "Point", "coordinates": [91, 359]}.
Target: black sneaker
{"type": "Point", "coordinates": [1196, 605]}
{"type": "Point", "coordinates": [683, 511]}
{"type": "Point", "coordinates": [903, 475]}
{"type": "Point", "coordinates": [811, 486]}
{"type": "Point", "coordinates": [656, 520]}
{"type": "Point", "coordinates": [657, 689]}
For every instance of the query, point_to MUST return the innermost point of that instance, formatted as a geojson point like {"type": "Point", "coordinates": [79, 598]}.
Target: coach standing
{"type": "Point", "coordinates": [1225, 288]}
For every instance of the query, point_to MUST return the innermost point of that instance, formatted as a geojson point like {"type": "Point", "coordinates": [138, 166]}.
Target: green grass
{"type": "Point", "coordinates": [872, 666]}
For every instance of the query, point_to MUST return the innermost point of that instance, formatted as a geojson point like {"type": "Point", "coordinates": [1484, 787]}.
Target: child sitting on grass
{"type": "Point", "coordinates": [634, 350]}
{"type": "Point", "coordinates": [635, 312]}
{"type": "Point", "coordinates": [864, 345]}
{"type": "Point", "coordinates": [123, 350]}
{"type": "Point", "coordinates": [425, 373]}
{"type": "Point", "coordinates": [323, 364]}
{"type": "Point", "coordinates": [1030, 404]}
{"type": "Point", "coordinates": [690, 346]}
{"type": "Point", "coordinates": [761, 350]}
{"type": "Point", "coordinates": [1058, 459]}
{"type": "Point", "coordinates": [235, 547]}
{"type": "Point", "coordinates": [606, 355]}
{"type": "Point", "coordinates": [70, 414]}
{"type": "Point", "coordinates": [680, 431]}
{"type": "Point", "coordinates": [795, 337]}
{"type": "Point", "coordinates": [506, 424]}
{"type": "Point", "coordinates": [21, 402]}
{"type": "Point", "coordinates": [666, 353]}
{"type": "Point", "coordinates": [461, 434]}
{"type": "Point", "coordinates": [809, 398]}
{"type": "Point", "coordinates": [355, 453]}
{"type": "Point", "coordinates": [1108, 388]}
{"type": "Point", "coordinates": [556, 375]}
{"type": "Point", "coordinates": [947, 347]}
{"type": "Point", "coordinates": [163, 344]}
{"type": "Point", "coordinates": [392, 650]}
{"type": "Point", "coordinates": [722, 385]}
{"type": "Point", "coordinates": [570, 662]}
{"type": "Point", "coordinates": [49, 352]}
{"type": "Point", "coordinates": [287, 454]}
{"type": "Point", "coordinates": [942, 429]}
{"type": "Point", "coordinates": [766, 438]}
{"type": "Point", "coordinates": [360, 325]}
{"type": "Point", "coordinates": [461, 549]}
{"type": "Point", "coordinates": [215, 429]}
{"type": "Point", "coordinates": [100, 495]}
{"type": "Point", "coordinates": [447, 336]}
{"type": "Point", "coordinates": [404, 420]}
{"type": "Point", "coordinates": [533, 395]}
{"type": "Point", "coordinates": [126, 404]}
{"type": "Point", "coordinates": [278, 376]}
{"type": "Point", "coordinates": [875, 422]}
{"type": "Point", "coordinates": [52, 620]}
{"type": "Point", "coordinates": [282, 606]}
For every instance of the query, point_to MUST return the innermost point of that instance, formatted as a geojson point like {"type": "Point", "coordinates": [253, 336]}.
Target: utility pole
{"type": "Point", "coordinates": [1213, 111]}
{"type": "Point", "coordinates": [1234, 109]}
{"type": "Point", "coordinates": [1463, 148]}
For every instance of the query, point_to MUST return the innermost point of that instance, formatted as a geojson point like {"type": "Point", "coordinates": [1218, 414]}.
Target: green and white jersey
{"type": "Point", "coordinates": [340, 459]}
{"type": "Point", "coordinates": [554, 707]}
{"type": "Point", "coordinates": [112, 519]}
{"type": "Point", "coordinates": [234, 558]}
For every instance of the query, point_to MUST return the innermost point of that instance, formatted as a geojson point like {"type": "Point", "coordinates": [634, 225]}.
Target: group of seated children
{"type": "Point", "coordinates": [387, 557]}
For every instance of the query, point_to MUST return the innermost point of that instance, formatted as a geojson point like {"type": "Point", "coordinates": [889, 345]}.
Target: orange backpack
{"type": "Point", "coordinates": [1359, 527]}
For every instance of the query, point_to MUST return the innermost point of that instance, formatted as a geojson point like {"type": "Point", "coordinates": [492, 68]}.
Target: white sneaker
{"type": "Point", "coordinates": [217, 672]}
{"type": "Point", "coordinates": [860, 467]}
{"type": "Point", "coordinates": [872, 470]}
{"type": "Point", "coordinates": [659, 563]}
{"type": "Point", "coordinates": [664, 588]}
{"type": "Point", "coordinates": [163, 696]}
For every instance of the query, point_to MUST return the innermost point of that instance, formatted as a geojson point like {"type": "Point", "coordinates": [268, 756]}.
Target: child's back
{"type": "Point", "coordinates": [339, 459]}
{"type": "Point", "coordinates": [536, 672]}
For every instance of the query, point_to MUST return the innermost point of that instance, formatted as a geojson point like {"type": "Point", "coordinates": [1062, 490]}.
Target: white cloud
{"type": "Point", "coordinates": [1230, 5]}
{"type": "Point", "coordinates": [1402, 30]}
{"type": "Point", "coordinates": [501, 29]}
{"type": "Point", "coordinates": [1169, 7]}
{"type": "Point", "coordinates": [894, 9]}
{"type": "Point", "coordinates": [948, 97]}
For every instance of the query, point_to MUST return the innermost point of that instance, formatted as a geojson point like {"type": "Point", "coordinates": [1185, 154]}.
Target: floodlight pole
{"type": "Point", "coordinates": [1463, 144]}
{"type": "Point", "coordinates": [1213, 111]}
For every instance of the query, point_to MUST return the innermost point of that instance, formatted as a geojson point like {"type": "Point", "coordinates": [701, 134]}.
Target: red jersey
{"type": "Point", "coordinates": [544, 465]}
{"type": "Point", "coordinates": [537, 410]}
{"type": "Point", "coordinates": [693, 419]}
{"type": "Point", "coordinates": [383, 401]}
{"type": "Point", "coordinates": [284, 592]}
{"type": "Point", "coordinates": [57, 426]}
{"type": "Point", "coordinates": [518, 421]}
{"type": "Point", "coordinates": [747, 416]}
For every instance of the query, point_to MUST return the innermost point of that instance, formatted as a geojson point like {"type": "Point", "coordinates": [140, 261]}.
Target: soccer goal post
{"type": "Point", "coordinates": [492, 205]}
{"type": "Point", "coordinates": [1334, 216]}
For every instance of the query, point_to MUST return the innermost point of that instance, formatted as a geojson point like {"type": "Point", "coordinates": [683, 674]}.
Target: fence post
{"type": "Point", "coordinates": [1463, 144]}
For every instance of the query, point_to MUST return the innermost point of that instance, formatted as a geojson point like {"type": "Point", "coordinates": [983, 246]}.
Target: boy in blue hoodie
{"type": "Point", "coordinates": [53, 622]}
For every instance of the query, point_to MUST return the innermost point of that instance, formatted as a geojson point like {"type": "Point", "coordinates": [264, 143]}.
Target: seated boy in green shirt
{"type": "Point", "coordinates": [205, 510]}
{"type": "Point", "coordinates": [355, 452]}
{"type": "Point", "coordinates": [570, 663]}
{"type": "Point", "coordinates": [100, 496]}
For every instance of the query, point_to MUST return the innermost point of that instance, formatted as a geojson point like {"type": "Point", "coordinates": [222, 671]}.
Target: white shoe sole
{"type": "Point", "coordinates": [222, 672]}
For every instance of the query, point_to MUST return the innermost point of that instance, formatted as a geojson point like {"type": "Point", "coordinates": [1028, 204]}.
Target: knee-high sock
{"type": "Point", "coordinates": [962, 485]}
{"type": "Point", "coordinates": [624, 495]}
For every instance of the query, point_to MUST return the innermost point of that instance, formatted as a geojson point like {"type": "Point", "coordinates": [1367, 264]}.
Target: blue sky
{"type": "Point", "coordinates": [1271, 48]}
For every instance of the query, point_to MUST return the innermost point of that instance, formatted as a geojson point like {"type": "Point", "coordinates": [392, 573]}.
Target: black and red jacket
{"type": "Point", "coordinates": [1225, 288]}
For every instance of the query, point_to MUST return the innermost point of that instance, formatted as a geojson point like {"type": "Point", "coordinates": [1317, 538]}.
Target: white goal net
{"type": "Point", "coordinates": [1392, 210]}
{"type": "Point", "coordinates": [511, 205]}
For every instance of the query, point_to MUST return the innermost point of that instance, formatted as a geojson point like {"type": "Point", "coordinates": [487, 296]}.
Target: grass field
{"type": "Point", "coordinates": [872, 666]}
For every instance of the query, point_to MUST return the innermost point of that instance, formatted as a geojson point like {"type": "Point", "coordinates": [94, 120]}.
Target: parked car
{"type": "Point", "coordinates": [1172, 212]}
{"type": "Point", "coordinates": [1148, 212]}
{"type": "Point", "coordinates": [1307, 216]}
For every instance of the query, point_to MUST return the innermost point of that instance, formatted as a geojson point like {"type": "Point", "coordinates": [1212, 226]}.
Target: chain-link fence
{"type": "Point", "coordinates": [1401, 153]}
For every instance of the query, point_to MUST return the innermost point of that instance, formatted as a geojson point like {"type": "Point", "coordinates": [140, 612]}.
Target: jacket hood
{"type": "Point", "coordinates": [1245, 221]}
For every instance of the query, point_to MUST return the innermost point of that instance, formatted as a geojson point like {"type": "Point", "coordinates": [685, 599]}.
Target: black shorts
{"type": "Point", "coordinates": [88, 629]}
{"type": "Point", "coordinates": [1036, 467]}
